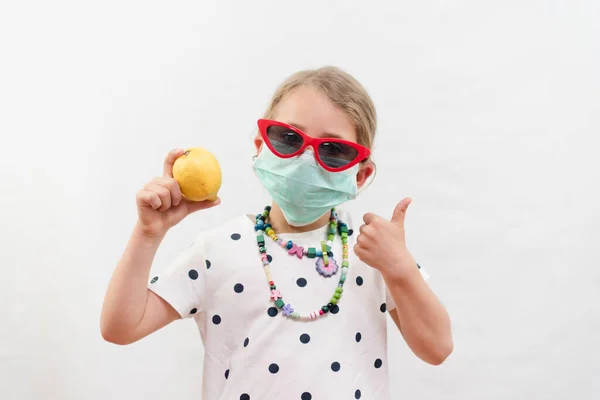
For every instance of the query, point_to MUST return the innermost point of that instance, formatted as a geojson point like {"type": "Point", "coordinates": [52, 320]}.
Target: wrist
{"type": "Point", "coordinates": [401, 276]}
{"type": "Point", "coordinates": [148, 233]}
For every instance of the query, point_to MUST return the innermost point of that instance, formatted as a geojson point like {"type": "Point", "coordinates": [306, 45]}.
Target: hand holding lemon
{"type": "Point", "coordinates": [190, 182]}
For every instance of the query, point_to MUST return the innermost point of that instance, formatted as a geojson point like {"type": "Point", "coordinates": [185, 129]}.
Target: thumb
{"type": "Point", "coordinates": [193, 206]}
{"type": "Point", "coordinates": [400, 212]}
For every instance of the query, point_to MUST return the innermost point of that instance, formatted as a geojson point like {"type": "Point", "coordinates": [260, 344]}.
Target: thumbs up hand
{"type": "Point", "coordinates": [381, 243]}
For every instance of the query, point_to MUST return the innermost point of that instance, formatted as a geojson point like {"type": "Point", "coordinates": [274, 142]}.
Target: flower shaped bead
{"type": "Point", "coordinates": [287, 310]}
{"type": "Point", "coordinates": [275, 294]}
{"type": "Point", "coordinates": [326, 270]}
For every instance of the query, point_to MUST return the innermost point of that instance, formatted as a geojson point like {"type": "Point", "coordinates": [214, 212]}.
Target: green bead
{"type": "Point", "coordinates": [343, 278]}
{"type": "Point", "coordinates": [339, 289]}
{"type": "Point", "coordinates": [273, 287]}
{"type": "Point", "coordinates": [331, 236]}
{"type": "Point", "coordinates": [279, 303]}
{"type": "Point", "coordinates": [262, 249]}
{"type": "Point", "coordinates": [260, 238]}
{"type": "Point", "coordinates": [325, 309]}
{"type": "Point", "coordinates": [344, 229]}
{"type": "Point", "coordinates": [345, 264]}
{"type": "Point", "coordinates": [328, 247]}
{"type": "Point", "coordinates": [312, 252]}
{"type": "Point", "coordinates": [295, 315]}
{"type": "Point", "coordinates": [337, 295]}
{"type": "Point", "coordinates": [344, 235]}
{"type": "Point", "coordinates": [324, 247]}
{"type": "Point", "coordinates": [334, 300]}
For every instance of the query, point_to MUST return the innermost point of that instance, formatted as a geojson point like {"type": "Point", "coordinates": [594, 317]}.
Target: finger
{"type": "Point", "coordinates": [173, 187]}
{"type": "Point", "coordinates": [194, 206]}
{"type": "Point", "coordinates": [370, 218]}
{"type": "Point", "coordinates": [163, 193]}
{"type": "Point", "coordinates": [147, 198]}
{"type": "Point", "coordinates": [399, 214]}
{"type": "Point", "coordinates": [359, 251]}
{"type": "Point", "coordinates": [361, 239]}
{"type": "Point", "coordinates": [363, 230]}
{"type": "Point", "coordinates": [170, 160]}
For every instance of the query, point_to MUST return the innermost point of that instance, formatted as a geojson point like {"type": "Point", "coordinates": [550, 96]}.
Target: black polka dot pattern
{"type": "Point", "coordinates": [236, 236]}
{"type": "Point", "coordinates": [378, 363]}
{"type": "Point", "coordinates": [154, 279]}
{"type": "Point", "coordinates": [216, 319]}
{"type": "Point", "coordinates": [207, 262]}
{"type": "Point", "coordinates": [227, 374]}
{"type": "Point", "coordinates": [193, 274]}
{"type": "Point", "coordinates": [273, 368]}
{"type": "Point", "coordinates": [245, 396]}
{"type": "Point", "coordinates": [358, 337]}
{"type": "Point", "coordinates": [246, 342]}
{"type": "Point", "coordinates": [306, 396]}
{"type": "Point", "coordinates": [305, 338]}
{"type": "Point", "coordinates": [269, 258]}
{"type": "Point", "coordinates": [350, 232]}
{"type": "Point", "coordinates": [238, 288]}
{"type": "Point", "coordinates": [357, 394]}
{"type": "Point", "coordinates": [272, 311]}
{"type": "Point", "coordinates": [335, 366]}
{"type": "Point", "coordinates": [193, 311]}
{"type": "Point", "coordinates": [301, 282]}
{"type": "Point", "coordinates": [359, 280]}
{"type": "Point", "coordinates": [335, 309]}
{"type": "Point", "coordinates": [383, 307]}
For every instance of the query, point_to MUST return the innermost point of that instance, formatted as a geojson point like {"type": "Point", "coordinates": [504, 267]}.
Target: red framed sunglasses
{"type": "Point", "coordinates": [334, 155]}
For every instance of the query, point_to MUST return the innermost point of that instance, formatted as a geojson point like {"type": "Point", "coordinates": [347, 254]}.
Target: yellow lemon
{"type": "Point", "coordinates": [198, 174]}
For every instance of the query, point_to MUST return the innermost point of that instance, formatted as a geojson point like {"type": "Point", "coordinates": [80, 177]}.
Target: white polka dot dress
{"type": "Point", "coordinates": [254, 352]}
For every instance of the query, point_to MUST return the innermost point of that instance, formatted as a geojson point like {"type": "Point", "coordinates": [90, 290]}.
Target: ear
{"type": "Point", "coordinates": [366, 170]}
{"type": "Point", "coordinates": [258, 142]}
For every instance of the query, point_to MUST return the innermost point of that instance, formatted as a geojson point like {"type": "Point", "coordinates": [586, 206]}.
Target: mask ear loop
{"type": "Point", "coordinates": [367, 184]}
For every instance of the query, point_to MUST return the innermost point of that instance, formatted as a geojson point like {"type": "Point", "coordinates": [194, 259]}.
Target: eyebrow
{"type": "Point", "coordinates": [327, 134]}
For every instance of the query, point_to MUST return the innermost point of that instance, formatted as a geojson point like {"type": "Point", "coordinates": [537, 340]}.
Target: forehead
{"type": "Point", "coordinates": [311, 111]}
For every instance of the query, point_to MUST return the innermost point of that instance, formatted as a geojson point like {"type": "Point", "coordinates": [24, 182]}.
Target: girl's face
{"type": "Point", "coordinates": [313, 113]}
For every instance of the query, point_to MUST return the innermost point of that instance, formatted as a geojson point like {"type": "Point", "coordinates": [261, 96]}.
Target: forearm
{"type": "Point", "coordinates": [424, 321]}
{"type": "Point", "coordinates": [125, 299]}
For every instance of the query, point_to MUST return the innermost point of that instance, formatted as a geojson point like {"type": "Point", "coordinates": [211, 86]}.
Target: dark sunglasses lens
{"type": "Point", "coordinates": [284, 140]}
{"type": "Point", "coordinates": [337, 155]}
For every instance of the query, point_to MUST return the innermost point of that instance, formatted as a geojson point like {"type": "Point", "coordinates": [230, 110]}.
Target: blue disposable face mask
{"type": "Point", "coordinates": [301, 187]}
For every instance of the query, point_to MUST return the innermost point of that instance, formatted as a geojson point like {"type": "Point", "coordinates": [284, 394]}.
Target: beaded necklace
{"type": "Point", "coordinates": [325, 262]}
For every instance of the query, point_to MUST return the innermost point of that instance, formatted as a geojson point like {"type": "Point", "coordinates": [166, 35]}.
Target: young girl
{"type": "Point", "coordinates": [291, 302]}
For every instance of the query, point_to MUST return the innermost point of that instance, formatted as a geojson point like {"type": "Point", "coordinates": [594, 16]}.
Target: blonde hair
{"type": "Point", "coordinates": [343, 90]}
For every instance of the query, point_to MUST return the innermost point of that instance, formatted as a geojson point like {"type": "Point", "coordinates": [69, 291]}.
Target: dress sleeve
{"type": "Point", "coordinates": [389, 300]}
{"type": "Point", "coordinates": [183, 283]}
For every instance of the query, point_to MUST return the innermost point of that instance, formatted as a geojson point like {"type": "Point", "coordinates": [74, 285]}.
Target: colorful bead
{"type": "Point", "coordinates": [311, 252]}
{"type": "Point", "coordinates": [295, 249]}
{"type": "Point", "coordinates": [287, 310]}
{"type": "Point", "coordinates": [279, 303]}
{"type": "Point", "coordinates": [325, 309]}
{"type": "Point", "coordinates": [289, 244]}
{"type": "Point", "coordinates": [275, 294]}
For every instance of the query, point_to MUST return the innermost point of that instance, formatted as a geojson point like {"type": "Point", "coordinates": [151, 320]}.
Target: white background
{"type": "Point", "coordinates": [489, 119]}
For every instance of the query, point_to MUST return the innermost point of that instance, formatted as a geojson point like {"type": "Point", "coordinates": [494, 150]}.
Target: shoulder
{"type": "Point", "coordinates": [232, 228]}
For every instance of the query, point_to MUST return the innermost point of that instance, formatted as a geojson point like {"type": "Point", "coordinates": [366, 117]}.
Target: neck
{"type": "Point", "coordinates": [280, 225]}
